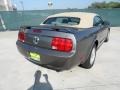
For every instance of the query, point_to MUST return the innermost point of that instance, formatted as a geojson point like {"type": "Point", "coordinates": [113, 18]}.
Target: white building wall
{"type": "Point", "coordinates": [5, 5]}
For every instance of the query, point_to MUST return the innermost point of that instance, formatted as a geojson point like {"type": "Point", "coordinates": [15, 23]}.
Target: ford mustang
{"type": "Point", "coordinates": [64, 40]}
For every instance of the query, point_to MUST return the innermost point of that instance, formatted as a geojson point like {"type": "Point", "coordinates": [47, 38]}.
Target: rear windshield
{"type": "Point", "coordinates": [62, 21]}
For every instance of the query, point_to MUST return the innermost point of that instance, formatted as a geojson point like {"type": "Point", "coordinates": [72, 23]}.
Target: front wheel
{"type": "Point", "coordinates": [107, 38]}
{"type": "Point", "coordinates": [91, 59]}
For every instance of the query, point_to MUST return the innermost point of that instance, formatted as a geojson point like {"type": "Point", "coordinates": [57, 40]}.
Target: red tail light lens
{"type": "Point", "coordinates": [62, 44]}
{"type": "Point", "coordinates": [21, 36]}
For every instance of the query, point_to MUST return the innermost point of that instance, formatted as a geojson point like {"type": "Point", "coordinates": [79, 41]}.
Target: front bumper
{"type": "Point", "coordinates": [49, 58]}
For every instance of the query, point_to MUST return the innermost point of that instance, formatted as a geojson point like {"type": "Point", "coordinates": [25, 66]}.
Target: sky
{"type": "Point", "coordinates": [57, 4]}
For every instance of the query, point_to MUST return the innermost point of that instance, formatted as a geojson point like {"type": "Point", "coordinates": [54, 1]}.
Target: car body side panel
{"type": "Point", "coordinates": [85, 40]}
{"type": "Point", "coordinates": [102, 32]}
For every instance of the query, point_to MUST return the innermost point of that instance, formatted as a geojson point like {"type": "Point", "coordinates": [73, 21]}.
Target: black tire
{"type": "Point", "coordinates": [88, 64]}
{"type": "Point", "coordinates": [107, 38]}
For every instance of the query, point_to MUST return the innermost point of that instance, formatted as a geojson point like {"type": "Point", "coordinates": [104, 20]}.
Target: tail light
{"type": "Point", "coordinates": [21, 36]}
{"type": "Point", "coordinates": [62, 44]}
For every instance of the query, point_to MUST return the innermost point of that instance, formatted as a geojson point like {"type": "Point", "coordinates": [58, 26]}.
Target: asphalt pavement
{"type": "Point", "coordinates": [16, 73]}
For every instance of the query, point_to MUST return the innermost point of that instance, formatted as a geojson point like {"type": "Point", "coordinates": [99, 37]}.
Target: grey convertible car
{"type": "Point", "coordinates": [64, 40]}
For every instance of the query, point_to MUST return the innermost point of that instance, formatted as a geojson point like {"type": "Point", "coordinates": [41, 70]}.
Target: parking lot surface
{"type": "Point", "coordinates": [16, 73]}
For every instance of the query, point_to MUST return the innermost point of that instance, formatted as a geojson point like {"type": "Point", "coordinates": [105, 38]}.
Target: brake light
{"type": "Point", "coordinates": [21, 36]}
{"type": "Point", "coordinates": [62, 44]}
{"type": "Point", "coordinates": [37, 31]}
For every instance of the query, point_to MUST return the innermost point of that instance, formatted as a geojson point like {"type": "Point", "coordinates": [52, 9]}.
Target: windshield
{"type": "Point", "coordinates": [62, 21]}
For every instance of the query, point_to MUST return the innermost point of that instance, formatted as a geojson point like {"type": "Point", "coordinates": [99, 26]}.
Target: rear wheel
{"type": "Point", "coordinates": [90, 61]}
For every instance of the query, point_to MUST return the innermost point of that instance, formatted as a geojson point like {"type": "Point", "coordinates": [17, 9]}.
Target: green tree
{"type": "Point", "coordinates": [105, 5]}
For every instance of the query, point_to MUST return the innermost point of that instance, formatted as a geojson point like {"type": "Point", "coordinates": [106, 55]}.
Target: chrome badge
{"type": "Point", "coordinates": [36, 40]}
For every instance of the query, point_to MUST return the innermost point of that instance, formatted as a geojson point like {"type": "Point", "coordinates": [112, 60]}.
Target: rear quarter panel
{"type": "Point", "coordinates": [85, 40]}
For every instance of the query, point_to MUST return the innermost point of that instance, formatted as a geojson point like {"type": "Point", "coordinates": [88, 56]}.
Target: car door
{"type": "Point", "coordinates": [98, 24]}
{"type": "Point", "coordinates": [104, 29]}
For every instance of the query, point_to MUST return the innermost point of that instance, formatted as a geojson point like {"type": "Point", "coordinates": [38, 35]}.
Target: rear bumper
{"type": "Point", "coordinates": [49, 58]}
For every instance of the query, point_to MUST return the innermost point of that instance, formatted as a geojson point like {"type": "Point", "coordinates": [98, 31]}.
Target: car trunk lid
{"type": "Point", "coordinates": [42, 36]}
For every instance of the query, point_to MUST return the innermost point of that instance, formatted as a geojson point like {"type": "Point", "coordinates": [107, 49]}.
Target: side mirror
{"type": "Point", "coordinates": [106, 23]}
